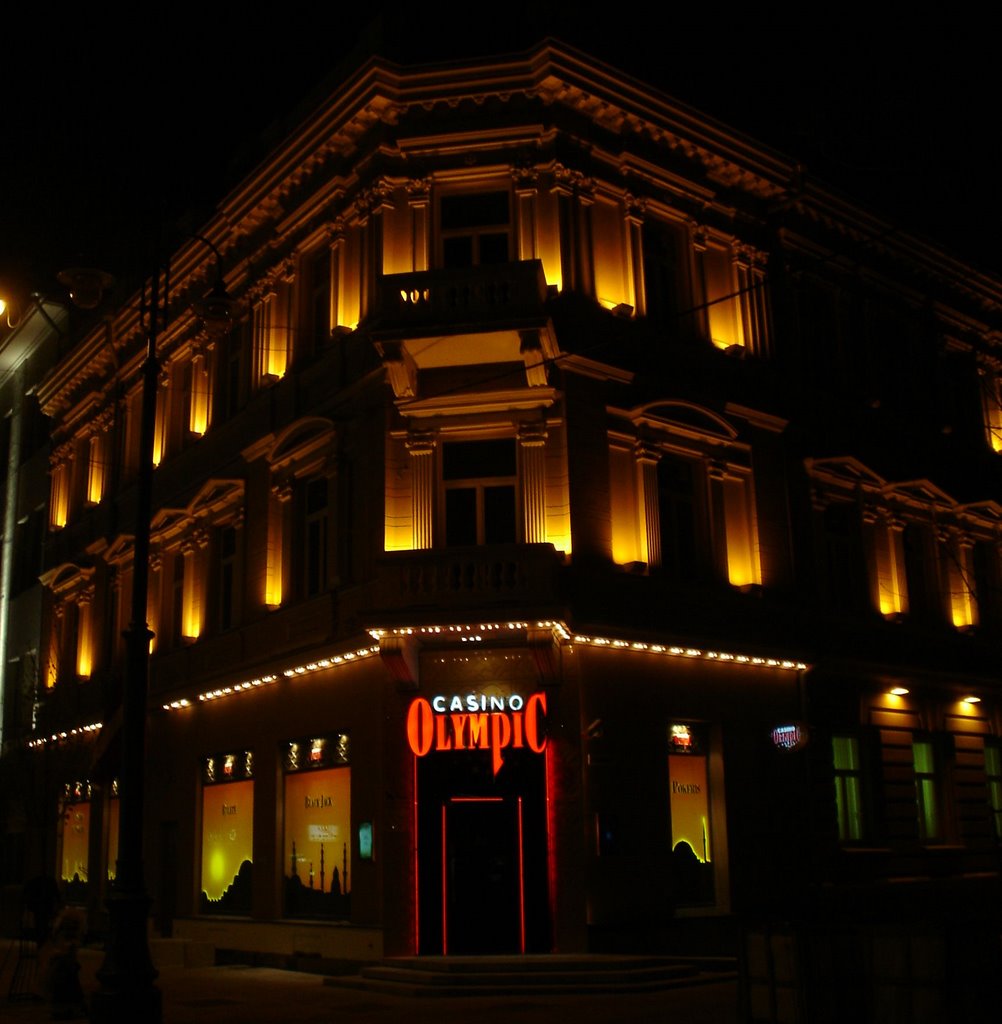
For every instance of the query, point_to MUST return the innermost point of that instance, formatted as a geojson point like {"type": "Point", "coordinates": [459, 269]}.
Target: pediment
{"type": "Point", "coordinates": [674, 414]}
{"type": "Point", "coordinates": [845, 469]}
{"type": "Point", "coordinates": [304, 439]}
{"type": "Point", "coordinates": [921, 492]}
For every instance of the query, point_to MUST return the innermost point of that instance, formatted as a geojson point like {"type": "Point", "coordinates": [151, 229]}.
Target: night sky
{"type": "Point", "coordinates": [109, 136]}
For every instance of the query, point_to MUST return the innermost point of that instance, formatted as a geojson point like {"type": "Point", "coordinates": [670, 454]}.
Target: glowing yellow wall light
{"type": "Point", "coordinates": [95, 469]}
{"type": "Point", "coordinates": [743, 567]}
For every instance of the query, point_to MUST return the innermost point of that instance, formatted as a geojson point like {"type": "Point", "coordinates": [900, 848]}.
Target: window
{"type": "Point", "coordinates": [842, 544]}
{"type": "Point", "coordinates": [848, 788]}
{"type": "Point", "coordinates": [720, 287]}
{"type": "Point", "coordinates": [320, 300]}
{"type": "Point", "coordinates": [919, 570]}
{"type": "Point", "coordinates": [75, 837]}
{"type": "Point", "coordinates": [177, 597]}
{"type": "Point", "coordinates": [227, 540]}
{"type": "Point", "coordinates": [475, 228]}
{"type": "Point", "coordinates": [689, 806]}
{"type": "Point", "coordinates": [734, 297]}
{"type": "Point", "coordinates": [479, 479]}
{"type": "Point", "coordinates": [315, 537]}
{"type": "Point", "coordinates": [682, 494]}
{"type": "Point", "coordinates": [227, 833]}
{"type": "Point", "coordinates": [317, 870]}
{"type": "Point", "coordinates": [993, 782]}
{"type": "Point", "coordinates": [231, 379]}
{"type": "Point", "coordinates": [707, 521]}
{"type": "Point", "coordinates": [662, 249]}
{"type": "Point", "coordinates": [991, 394]}
{"type": "Point", "coordinates": [925, 790]}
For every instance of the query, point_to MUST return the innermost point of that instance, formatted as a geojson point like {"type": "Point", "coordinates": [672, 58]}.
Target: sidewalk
{"type": "Point", "coordinates": [261, 995]}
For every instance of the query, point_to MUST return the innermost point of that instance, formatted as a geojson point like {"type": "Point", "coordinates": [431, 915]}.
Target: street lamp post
{"type": "Point", "coordinates": [127, 975]}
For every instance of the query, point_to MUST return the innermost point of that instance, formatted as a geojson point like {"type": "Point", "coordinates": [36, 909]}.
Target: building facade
{"type": "Point", "coordinates": [587, 540]}
{"type": "Point", "coordinates": [30, 345]}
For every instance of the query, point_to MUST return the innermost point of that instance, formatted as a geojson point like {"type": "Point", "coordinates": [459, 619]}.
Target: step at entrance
{"type": "Point", "coordinates": [540, 975]}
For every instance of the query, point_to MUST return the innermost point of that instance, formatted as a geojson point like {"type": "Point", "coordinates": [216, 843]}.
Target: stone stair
{"type": "Point", "coordinates": [549, 974]}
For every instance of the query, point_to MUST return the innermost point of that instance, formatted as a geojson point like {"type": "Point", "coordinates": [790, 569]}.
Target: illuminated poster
{"type": "Point", "coordinates": [113, 814]}
{"type": "Point", "coordinates": [318, 829]}
{"type": "Point", "coordinates": [689, 795]}
{"type": "Point", "coordinates": [227, 834]}
{"type": "Point", "coordinates": [76, 839]}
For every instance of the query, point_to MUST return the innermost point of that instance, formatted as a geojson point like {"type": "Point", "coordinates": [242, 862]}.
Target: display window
{"type": "Point", "coordinates": [317, 833]}
{"type": "Point", "coordinates": [227, 833]}
{"type": "Point", "coordinates": [75, 840]}
{"type": "Point", "coordinates": [689, 795]}
{"type": "Point", "coordinates": [114, 808]}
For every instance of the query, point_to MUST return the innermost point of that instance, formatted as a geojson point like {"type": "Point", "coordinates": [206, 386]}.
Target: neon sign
{"type": "Point", "coordinates": [477, 722]}
{"type": "Point", "coordinates": [789, 737]}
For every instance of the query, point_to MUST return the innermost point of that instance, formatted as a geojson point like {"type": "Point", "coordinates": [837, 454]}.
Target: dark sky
{"type": "Point", "coordinates": [110, 127]}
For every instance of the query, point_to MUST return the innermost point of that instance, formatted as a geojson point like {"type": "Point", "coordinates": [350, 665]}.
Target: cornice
{"type": "Point", "coordinates": [308, 178]}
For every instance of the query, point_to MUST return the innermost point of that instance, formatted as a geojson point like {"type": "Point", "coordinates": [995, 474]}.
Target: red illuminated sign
{"type": "Point", "coordinates": [445, 725]}
{"type": "Point", "coordinates": [789, 737]}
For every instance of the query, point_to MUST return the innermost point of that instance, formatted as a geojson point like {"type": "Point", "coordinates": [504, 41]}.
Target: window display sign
{"type": "Point", "coordinates": [227, 833]}
{"type": "Point", "coordinates": [113, 818]}
{"type": "Point", "coordinates": [76, 840]}
{"type": "Point", "coordinates": [791, 736]}
{"type": "Point", "coordinates": [689, 795]}
{"type": "Point", "coordinates": [318, 828]}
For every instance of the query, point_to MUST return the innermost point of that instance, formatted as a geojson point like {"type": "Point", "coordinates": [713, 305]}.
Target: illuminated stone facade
{"type": "Point", "coordinates": [543, 384]}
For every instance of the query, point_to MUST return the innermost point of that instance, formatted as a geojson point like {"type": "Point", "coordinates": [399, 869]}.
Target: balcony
{"type": "Point", "coordinates": [507, 296]}
{"type": "Point", "coordinates": [503, 579]}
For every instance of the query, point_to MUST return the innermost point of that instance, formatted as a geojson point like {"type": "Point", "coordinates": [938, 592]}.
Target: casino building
{"type": "Point", "coordinates": [586, 540]}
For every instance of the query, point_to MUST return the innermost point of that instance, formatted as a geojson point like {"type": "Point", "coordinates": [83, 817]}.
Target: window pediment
{"type": "Point", "coordinates": [303, 447]}
{"type": "Point", "coordinates": [679, 416]}
{"type": "Point", "coordinates": [67, 578]}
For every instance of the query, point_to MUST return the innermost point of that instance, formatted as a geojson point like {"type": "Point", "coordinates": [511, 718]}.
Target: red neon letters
{"type": "Point", "coordinates": [429, 728]}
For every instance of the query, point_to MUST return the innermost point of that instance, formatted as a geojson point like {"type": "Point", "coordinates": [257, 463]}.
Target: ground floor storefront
{"type": "Point", "coordinates": [458, 791]}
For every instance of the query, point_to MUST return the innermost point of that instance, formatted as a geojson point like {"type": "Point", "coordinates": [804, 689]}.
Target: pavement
{"type": "Point", "coordinates": [266, 995]}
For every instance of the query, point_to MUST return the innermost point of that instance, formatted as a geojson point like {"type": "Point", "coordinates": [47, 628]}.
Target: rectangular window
{"type": "Point", "coordinates": [320, 300]}
{"type": "Point", "coordinates": [227, 539]}
{"type": "Point", "coordinates": [958, 558]}
{"type": "Point", "coordinates": [993, 782]}
{"type": "Point", "coordinates": [720, 291]}
{"type": "Point", "coordinates": [848, 788]}
{"type": "Point", "coordinates": [177, 597]}
{"type": "Point", "coordinates": [925, 790]}
{"type": "Point", "coordinates": [197, 390]}
{"type": "Point", "coordinates": [480, 483]}
{"type": "Point", "coordinates": [315, 539]}
{"type": "Point", "coordinates": [682, 502]}
{"type": "Point", "coordinates": [76, 840]}
{"type": "Point", "coordinates": [475, 229]}
{"type": "Point", "coordinates": [227, 833]}
{"type": "Point", "coordinates": [232, 371]}
{"type": "Point", "coordinates": [743, 566]}
{"type": "Point", "coordinates": [317, 833]}
{"type": "Point", "coordinates": [889, 562]}
{"type": "Point", "coordinates": [96, 468]}
{"type": "Point", "coordinates": [992, 399]}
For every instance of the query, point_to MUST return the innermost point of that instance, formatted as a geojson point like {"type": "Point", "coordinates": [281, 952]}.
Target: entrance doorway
{"type": "Point", "coordinates": [482, 878]}
{"type": "Point", "coordinates": [482, 855]}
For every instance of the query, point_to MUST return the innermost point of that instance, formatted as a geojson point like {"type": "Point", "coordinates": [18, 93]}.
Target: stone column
{"type": "Point", "coordinates": [648, 503]}
{"type": "Point", "coordinates": [421, 447]}
{"type": "Point", "coordinates": [532, 479]}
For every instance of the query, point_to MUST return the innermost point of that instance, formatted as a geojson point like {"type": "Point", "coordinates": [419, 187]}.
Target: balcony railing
{"type": "Point", "coordinates": [508, 294]}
